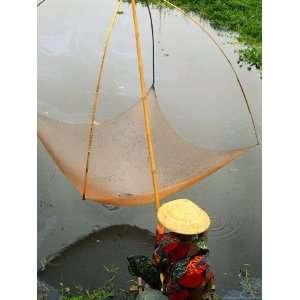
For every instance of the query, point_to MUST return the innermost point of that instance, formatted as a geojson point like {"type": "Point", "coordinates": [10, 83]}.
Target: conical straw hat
{"type": "Point", "coordinates": [183, 216]}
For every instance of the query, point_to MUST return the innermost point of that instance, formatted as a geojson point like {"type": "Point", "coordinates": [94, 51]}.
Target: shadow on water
{"type": "Point", "coordinates": [83, 264]}
{"type": "Point", "coordinates": [89, 262]}
{"type": "Point", "coordinates": [200, 99]}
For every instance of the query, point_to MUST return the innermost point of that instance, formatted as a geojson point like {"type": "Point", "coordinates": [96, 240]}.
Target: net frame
{"type": "Point", "coordinates": [158, 194]}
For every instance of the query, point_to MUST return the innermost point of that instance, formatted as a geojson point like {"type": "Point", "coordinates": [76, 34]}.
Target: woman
{"type": "Point", "coordinates": [179, 265]}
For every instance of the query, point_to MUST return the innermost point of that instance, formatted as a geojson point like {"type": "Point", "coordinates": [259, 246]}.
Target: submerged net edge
{"type": "Point", "coordinates": [170, 190]}
{"type": "Point", "coordinates": [146, 198]}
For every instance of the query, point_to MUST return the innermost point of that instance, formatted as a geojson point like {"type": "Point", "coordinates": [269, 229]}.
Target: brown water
{"type": "Point", "coordinates": [199, 97]}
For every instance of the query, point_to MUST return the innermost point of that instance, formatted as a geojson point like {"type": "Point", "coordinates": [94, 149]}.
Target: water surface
{"type": "Point", "coordinates": [200, 98]}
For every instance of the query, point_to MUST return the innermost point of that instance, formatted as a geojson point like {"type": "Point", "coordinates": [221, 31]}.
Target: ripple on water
{"type": "Point", "coordinates": [224, 227]}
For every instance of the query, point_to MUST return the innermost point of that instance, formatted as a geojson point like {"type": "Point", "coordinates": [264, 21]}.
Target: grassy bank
{"type": "Point", "coordinates": [240, 16]}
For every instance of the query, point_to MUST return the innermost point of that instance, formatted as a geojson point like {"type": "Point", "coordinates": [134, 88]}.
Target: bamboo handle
{"type": "Point", "coordinates": [145, 105]}
{"type": "Point", "coordinates": [97, 97]}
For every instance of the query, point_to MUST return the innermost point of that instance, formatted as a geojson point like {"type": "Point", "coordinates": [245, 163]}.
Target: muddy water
{"type": "Point", "coordinates": [199, 97]}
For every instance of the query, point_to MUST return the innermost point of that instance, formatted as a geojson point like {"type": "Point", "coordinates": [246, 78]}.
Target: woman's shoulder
{"type": "Point", "coordinates": [168, 238]}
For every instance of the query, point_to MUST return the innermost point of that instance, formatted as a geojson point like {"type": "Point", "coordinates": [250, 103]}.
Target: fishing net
{"type": "Point", "coordinates": [113, 162]}
{"type": "Point", "coordinates": [119, 167]}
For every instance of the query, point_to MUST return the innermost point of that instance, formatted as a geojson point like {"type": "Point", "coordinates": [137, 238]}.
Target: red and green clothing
{"type": "Point", "coordinates": [183, 261]}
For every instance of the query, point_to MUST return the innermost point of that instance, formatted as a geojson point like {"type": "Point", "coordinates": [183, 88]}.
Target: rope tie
{"type": "Point", "coordinates": [153, 46]}
{"type": "Point", "coordinates": [40, 3]}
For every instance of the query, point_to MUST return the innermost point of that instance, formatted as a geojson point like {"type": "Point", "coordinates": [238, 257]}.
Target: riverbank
{"type": "Point", "coordinates": [243, 17]}
{"type": "Point", "coordinates": [91, 270]}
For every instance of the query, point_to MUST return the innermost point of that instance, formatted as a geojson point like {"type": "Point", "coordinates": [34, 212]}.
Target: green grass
{"type": "Point", "coordinates": [104, 293]}
{"type": "Point", "coordinates": [107, 292]}
{"type": "Point", "coordinates": [239, 16]}
{"type": "Point", "coordinates": [110, 292]}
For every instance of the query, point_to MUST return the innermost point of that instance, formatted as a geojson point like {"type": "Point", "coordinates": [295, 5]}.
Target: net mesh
{"type": "Point", "coordinates": [119, 167]}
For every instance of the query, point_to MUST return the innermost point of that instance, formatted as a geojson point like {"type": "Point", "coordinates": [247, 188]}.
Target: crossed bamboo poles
{"type": "Point", "coordinates": [144, 99]}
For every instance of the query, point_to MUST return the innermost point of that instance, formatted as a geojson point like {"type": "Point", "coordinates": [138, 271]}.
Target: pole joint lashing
{"type": "Point", "coordinates": [154, 171]}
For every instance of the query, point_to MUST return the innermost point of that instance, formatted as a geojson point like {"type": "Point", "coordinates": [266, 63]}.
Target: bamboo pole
{"type": "Point", "coordinates": [97, 95]}
{"type": "Point", "coordinates": [145, 105]}
{"type": "Point", "coordinates": [225, 56]}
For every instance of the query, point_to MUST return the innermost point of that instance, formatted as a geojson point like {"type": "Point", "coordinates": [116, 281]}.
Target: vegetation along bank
{"type": "Point", "coordinates": [238, 16]}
